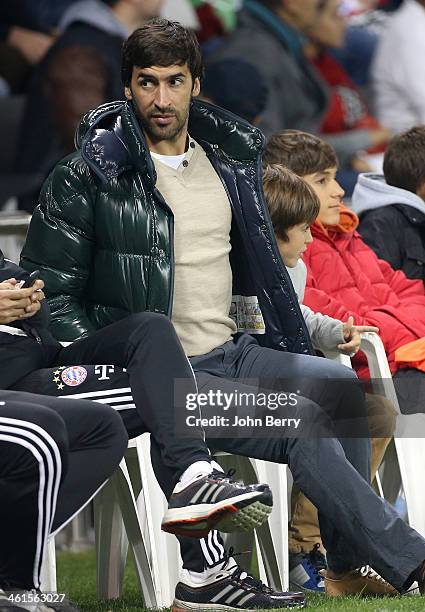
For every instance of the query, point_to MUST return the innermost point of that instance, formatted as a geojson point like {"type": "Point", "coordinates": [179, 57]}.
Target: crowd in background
{"type": "Point", "coordinates": [324, 66]}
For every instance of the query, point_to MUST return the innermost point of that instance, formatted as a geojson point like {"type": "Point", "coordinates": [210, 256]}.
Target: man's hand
{"type": "Point", "coordinates": [17, 304]}
{"type": "Point", "coordinates": [352, 337]}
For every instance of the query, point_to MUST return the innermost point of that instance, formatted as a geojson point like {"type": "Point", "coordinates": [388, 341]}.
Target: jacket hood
{"type": "Point", "coordinates": [372, 192]}
{"type": "Point", "coordinates": [111, 140]}
{"type": "Point", "coordinates": [95, 13]}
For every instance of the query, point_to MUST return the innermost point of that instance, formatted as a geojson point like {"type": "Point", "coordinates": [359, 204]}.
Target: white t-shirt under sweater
{"type": "Point", "coordinates": [203, 276]}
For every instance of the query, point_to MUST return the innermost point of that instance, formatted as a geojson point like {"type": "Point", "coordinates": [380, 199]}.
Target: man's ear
{"type": "Point", "coordinates": [196, 90]}
{"type": "Point", "coordinates": [128, 94]}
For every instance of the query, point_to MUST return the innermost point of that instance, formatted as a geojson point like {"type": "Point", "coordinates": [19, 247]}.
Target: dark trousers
{"type": "Point", "coordinates": [55, 454]}
{"type": "Point", "coordinates": [357, 526]}
{"type": "Point", "coordinates": [147, 347]}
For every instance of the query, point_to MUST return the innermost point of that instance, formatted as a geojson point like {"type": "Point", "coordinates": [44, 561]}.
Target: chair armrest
{"type": "Point", "coordinates": [378, 366]}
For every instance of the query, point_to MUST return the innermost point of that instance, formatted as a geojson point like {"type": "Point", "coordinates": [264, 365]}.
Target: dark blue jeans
{"type": "Point", "coordinates": [357, 526]}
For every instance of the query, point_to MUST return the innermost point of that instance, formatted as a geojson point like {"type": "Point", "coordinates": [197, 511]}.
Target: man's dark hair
{"type": "Point", "coordinates": [301, 152]}
{"type": "Point", "coordinates": [290, 200]}
{"type": "Point", "coordinates": [160, 42]}
{"type": "Point", "coordinates": [404, 160]}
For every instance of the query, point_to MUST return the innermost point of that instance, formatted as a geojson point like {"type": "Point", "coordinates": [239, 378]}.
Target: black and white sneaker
{"type": "Point", "coordinates": [231, 588]}
{"type": "Point", "coordinates": [216, 501]}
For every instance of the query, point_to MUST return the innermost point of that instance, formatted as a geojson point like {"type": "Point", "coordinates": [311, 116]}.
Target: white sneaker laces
{"type": "Point", "coordinates": [368, 572]}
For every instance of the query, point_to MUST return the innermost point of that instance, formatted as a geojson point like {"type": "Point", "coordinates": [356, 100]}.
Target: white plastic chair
{"type": "Point", "coordinates": [404, 462]}
{"type": "Point", "coordinates": [157, 554]}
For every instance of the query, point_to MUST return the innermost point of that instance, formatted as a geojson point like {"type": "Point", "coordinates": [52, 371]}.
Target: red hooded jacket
{"type": "Point", "coordinates": [345, 278]}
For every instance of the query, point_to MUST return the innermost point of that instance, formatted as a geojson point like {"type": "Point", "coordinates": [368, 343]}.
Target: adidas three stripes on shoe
{"type": "Point", "coordinates": [216, 501]}
{"type": "Point", "coordinates": [231, 589]}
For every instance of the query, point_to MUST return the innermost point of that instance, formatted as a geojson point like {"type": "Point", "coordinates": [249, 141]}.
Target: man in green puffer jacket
{"type": "Point", "coordinates": [161, 209]}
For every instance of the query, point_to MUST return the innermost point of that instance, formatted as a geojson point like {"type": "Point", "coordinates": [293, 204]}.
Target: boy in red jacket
{"type": "Point", "coordinates": [293, 207]}
{"type": "Point", "coordinates": [345, 278]}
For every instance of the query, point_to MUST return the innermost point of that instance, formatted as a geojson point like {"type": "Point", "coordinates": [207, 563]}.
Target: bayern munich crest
{"type": "Point", "coordinates": [74, 376]}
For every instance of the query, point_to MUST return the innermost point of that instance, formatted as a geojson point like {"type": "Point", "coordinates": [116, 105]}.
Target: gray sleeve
{"type": "Point", "coordinates": [326, 332]}
{"type": "Point", "coordinates": [348, 144]}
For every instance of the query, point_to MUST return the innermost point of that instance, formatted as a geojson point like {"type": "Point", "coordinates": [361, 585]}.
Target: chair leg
{"type": "Point", "coordinates": [48, 568]}
{"type": "Point", "coordinates": [136, 538]}
{"type": "Point", "coordinates": [111, 542]}
{"type": "Point", "coordinates": [164, 549]}
{"type": "Point", "coordinates": [273, 535]}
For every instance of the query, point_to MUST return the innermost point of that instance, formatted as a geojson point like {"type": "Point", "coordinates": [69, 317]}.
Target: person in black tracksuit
{"type": "Point", "coordinates": [54, 456]}
{"type": "Point", "coordinates": [131, 365]}
{"type": "Point", "coordinates": [140, 343]}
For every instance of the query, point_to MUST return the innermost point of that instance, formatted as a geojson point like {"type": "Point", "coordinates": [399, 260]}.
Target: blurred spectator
{"type": "Point", "coordinates": [80, 71]}
{"type": "Point", "coordinates": [229, 84]}
{"type": "Point", "coordinates": [357, 53]}
{"type": "Point", "coordinates": [399, 69]}
{"type": "Point", "coordinates": [357, 7]}
{"type": "Point", "coordinates": [40, 16]}
{"type": "Point", "coordinates": [216, 18]}
{"type": "Point", "coordinates": [211, 31]}
{"type": "Point", "coordinates": [367, 19]}
{"type": "Point", "coordinates": [181, 11]}
{"type": "Point", "coordinates": [347, 113]}
{"type": "Point", "coordinates": [23, 43]}
{"type": "Point", "coordinates": [392, 207]}
{"type": "Point", "coordinates": [269, 36]}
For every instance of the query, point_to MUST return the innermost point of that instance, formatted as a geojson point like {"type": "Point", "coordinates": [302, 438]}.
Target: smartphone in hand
{"type": "Point", "coordinates": [30, 280]}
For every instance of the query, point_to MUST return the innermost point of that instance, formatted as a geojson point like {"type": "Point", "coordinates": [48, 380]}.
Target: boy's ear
{"type": "Point", "coordinates": [128, 94]}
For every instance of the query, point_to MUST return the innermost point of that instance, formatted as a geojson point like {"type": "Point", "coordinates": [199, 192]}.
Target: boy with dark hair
{"type": "Point", "coordinates": [294, 207]}
{"type": "Point", "coordinates": [392, 207]}
{"type": "Point", "coordinates": [360, 285]}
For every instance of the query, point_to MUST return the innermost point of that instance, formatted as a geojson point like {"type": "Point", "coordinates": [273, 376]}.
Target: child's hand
{"type": "Point", "coordinates": [352, 336]}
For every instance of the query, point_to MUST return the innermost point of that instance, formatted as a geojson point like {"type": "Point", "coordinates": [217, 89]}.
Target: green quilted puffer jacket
{"type": "Point", "coordinates": [102, 234]}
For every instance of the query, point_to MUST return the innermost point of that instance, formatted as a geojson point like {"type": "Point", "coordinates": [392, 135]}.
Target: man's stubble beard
{"type": "Point", "coordinates": [156, 133]}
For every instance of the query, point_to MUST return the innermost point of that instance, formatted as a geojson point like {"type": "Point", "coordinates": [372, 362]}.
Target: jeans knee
{"type": "Point", "coordinates": [314, 421]}
{"type": "Point", "coordinates": [338, 371]}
